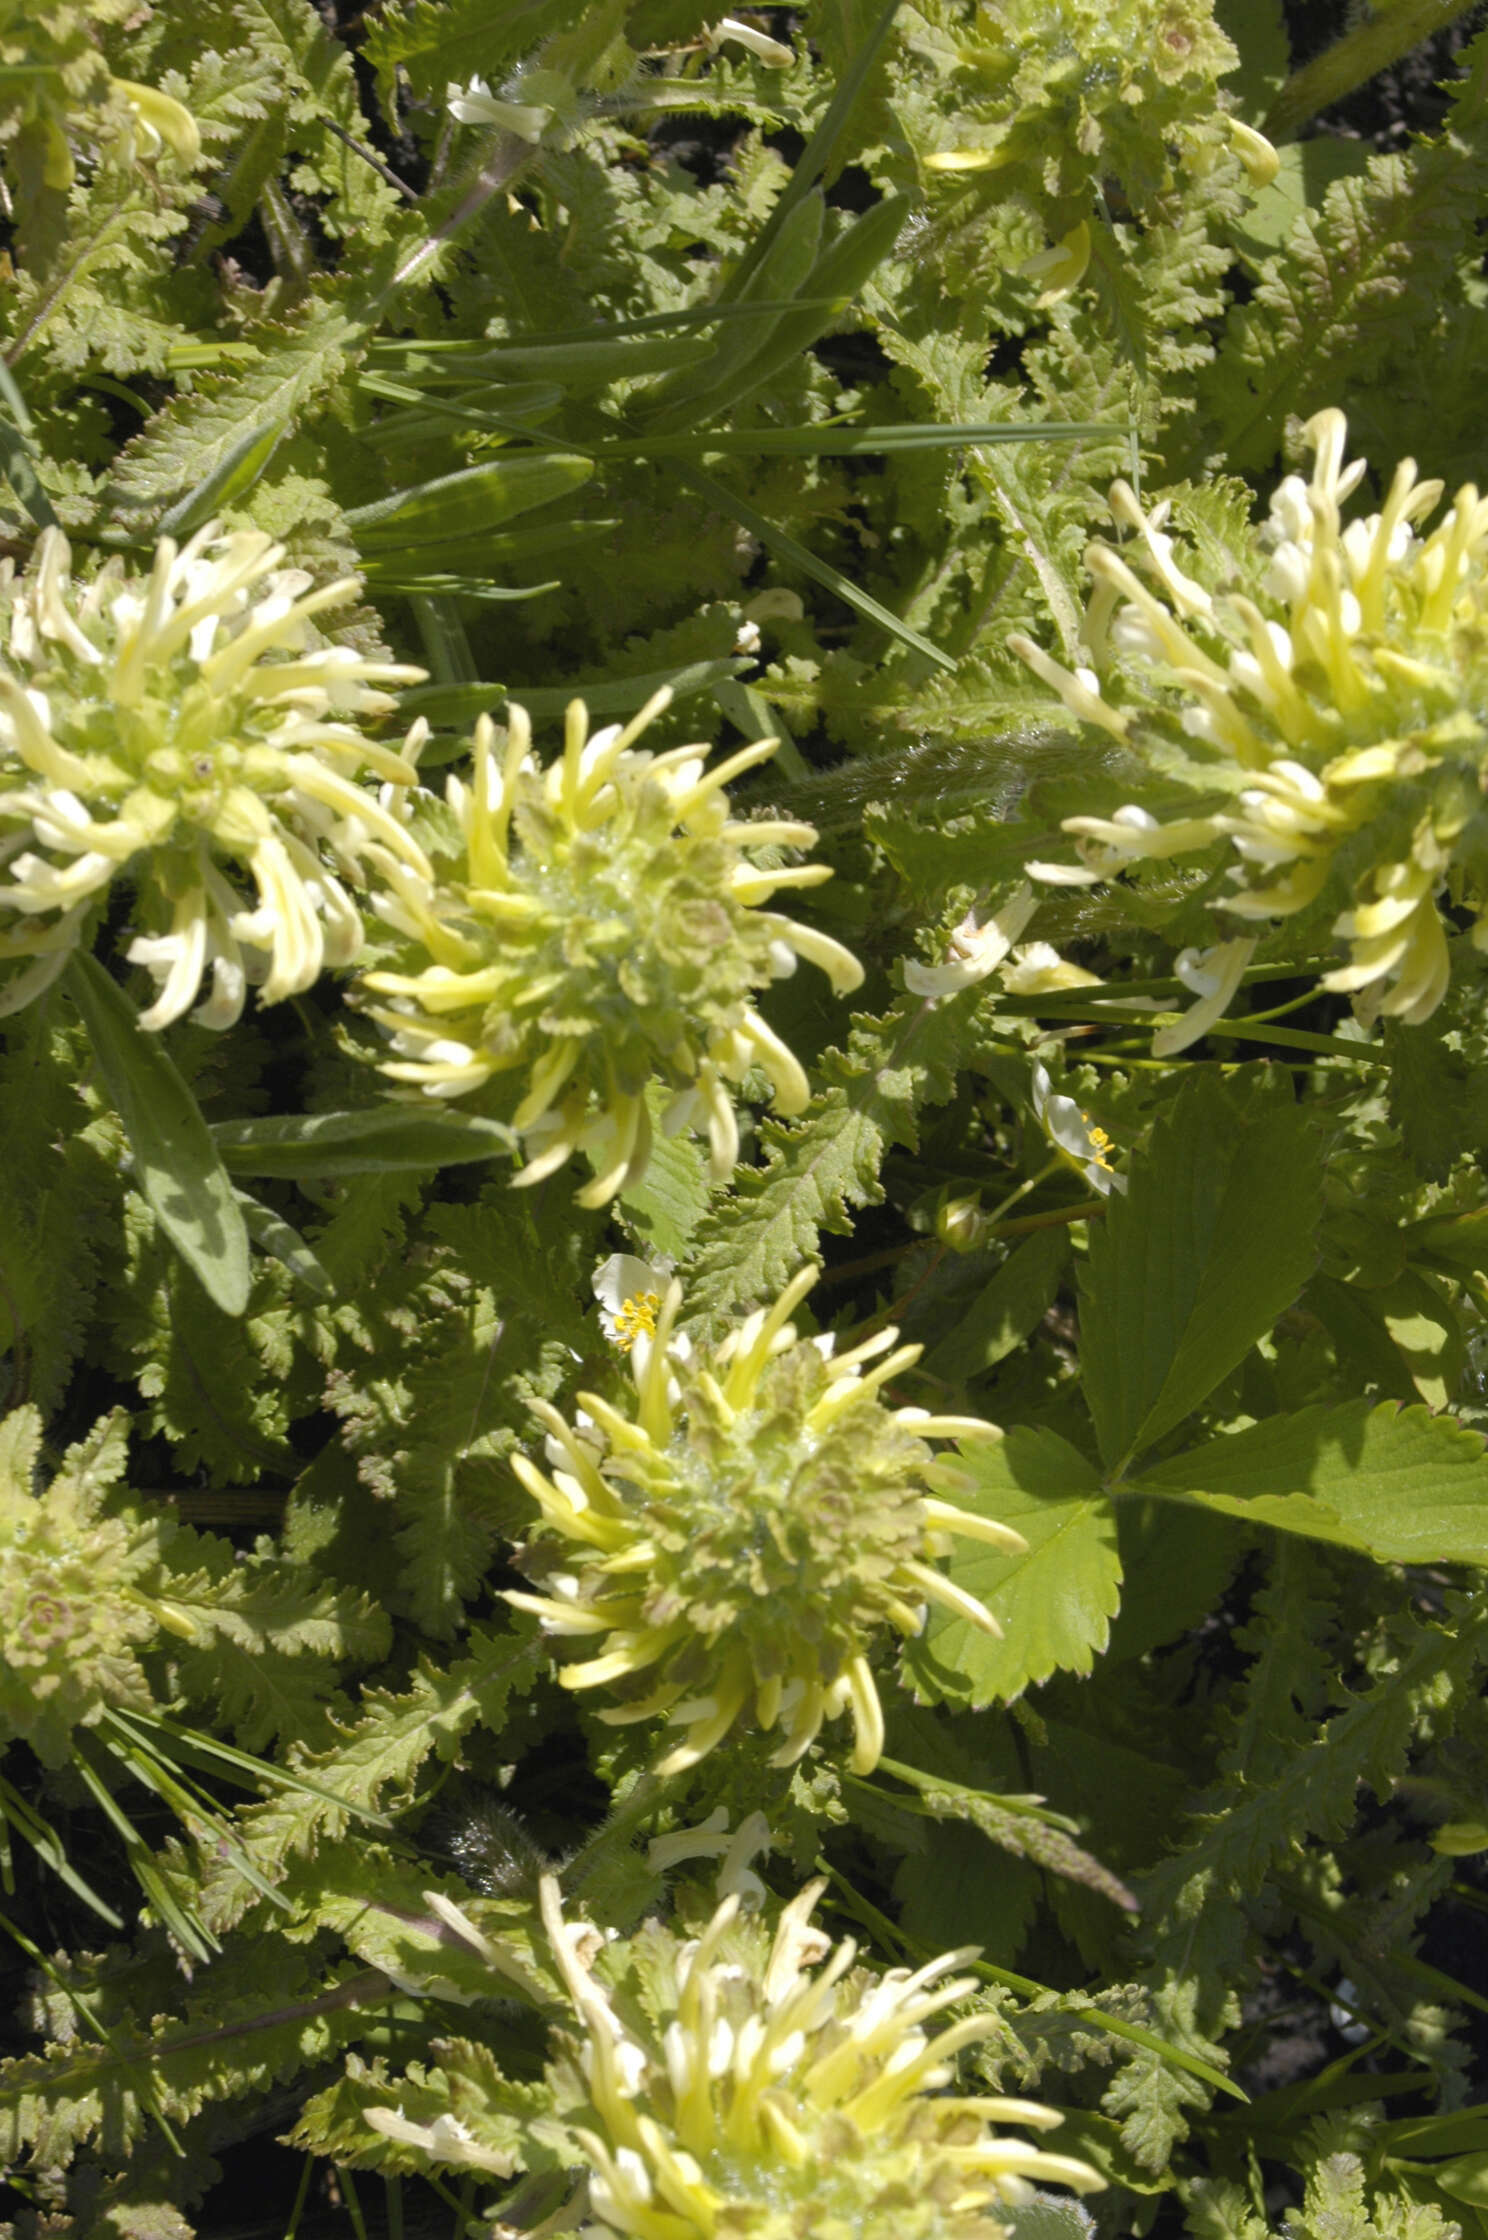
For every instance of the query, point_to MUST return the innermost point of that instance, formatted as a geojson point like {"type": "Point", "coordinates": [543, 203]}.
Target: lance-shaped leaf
{"type": "Point", "coordinates": [175, 1160]}
{"type": "Point", "coordinates": [1404, 1486]}
{"type": "Point", "coordinates": [469, 503]}
{"type": "Point", "coordinates": [384, 1139]}
{"type": "Point", "coordinates": [1054, 1602]}
{"type": "Point", "coordinates": [1212, 1241]}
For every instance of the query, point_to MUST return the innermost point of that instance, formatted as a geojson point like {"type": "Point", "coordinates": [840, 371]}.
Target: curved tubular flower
{"type": "Point", "coordinates": [761, 2086]}
{"type": "Point", "coordinates": [597, 928]}
{"type": "Point", "coordinates": [1335, 692]}
{"type": "Point", "coordinates": [176, 728]}
{"type": "Point", "coordinates": [977, 947]}
{"type": "Point", "coordinates": [741, 1533]}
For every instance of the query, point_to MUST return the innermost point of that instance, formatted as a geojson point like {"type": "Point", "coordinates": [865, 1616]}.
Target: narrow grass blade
{"type": "Point", "coordinates": [43, 1839]}
{"type": "Point", "coordinates": [196, 1811]}
{"type": "Point", "coordinates": [192, 1936]}
{"type": "Point", "coordinates": [248, 1771]}
{"type": "Point", "coordinates": [819, 149]}
{"type": "Point", "coordinates": [100, 2029]}
{"type": "Point", "coordinates": [820, 571]}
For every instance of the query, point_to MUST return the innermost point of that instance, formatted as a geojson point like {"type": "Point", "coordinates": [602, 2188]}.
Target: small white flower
{"type": "Point", "coordinates": [446, 2140]}
{"type": "Point", "coordinates": [630, 1292]}
{"type": "Point", "coordinates": [1074, 1134]}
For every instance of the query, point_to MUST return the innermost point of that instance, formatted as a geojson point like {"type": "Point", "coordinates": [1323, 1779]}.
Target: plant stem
{"type": "Point", "coordinates": [505, 161]}
{"type": "Point", "coordinates": [1062, 1216]}
{"type": "Point", "coordinates": [1355, 58]}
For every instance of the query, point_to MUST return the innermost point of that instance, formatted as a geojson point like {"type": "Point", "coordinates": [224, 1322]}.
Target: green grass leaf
{"type": "Point", "coordinates": [16, 462]}
{"type": "Point", "coordinates": [603, 696]}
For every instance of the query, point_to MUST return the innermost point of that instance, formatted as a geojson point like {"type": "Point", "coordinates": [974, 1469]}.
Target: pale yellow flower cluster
{"type": "Point", "coordinates": [779, 2094]}
{"type": "Point", "coordinates": [749, 2081]}
{"type": "Point", "coordinates": [593, 928]}
{"type": "Point", "coordinates": [179, 729]}
{"type": "Point", "coordinates": [744, 1530]}
{"type": "Point", "coordinates": [1333, 695]}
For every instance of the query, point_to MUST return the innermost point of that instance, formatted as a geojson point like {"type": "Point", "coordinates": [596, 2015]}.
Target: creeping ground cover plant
{"type": "Point", "coordinates": [744, 1098]}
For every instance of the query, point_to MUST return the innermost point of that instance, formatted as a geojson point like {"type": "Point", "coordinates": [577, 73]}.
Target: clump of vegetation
{"type": "Point", "coordinates": [644, 1592]}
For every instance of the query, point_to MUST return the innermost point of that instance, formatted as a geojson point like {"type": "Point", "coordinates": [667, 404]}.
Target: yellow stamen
{"type": "Point", "coordinates": [635, 1315]}
{"type": "Point", "coordinates": [1100, 1142]}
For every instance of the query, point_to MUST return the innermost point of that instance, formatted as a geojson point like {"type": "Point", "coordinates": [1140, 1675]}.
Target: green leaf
{"type": "Point", "coordinates": [1213, 1240]}
{"type": "Point", "coordinates": [1465, 2178]}
{"type": "Point", "coordinates": [820, 149]}
{"type": "Point", "coordinates": [851, 440]}
{"type": "Point", "coordinates": [180, 1173]}
{"type": "Point", "coordinates": [16, 462]}
{"type": "Point", "coordinates": [1007, 1308]}
{"type": "Point", "coordinates": [1438, 1092]}
{"type": "Point", "coordinates": [435, 43]}
{"type": "Point", "coordinates": [584, 361]}
{"type": "Point", "coordinates": [1459, 1839]}
{"type": "Point", "coordinates": [225, 483]}
{"type": "Point", "coordinates": [212, 430]}
{"type": "Point", "coordinates": [1175, 1566]}
{"type": "Point", "coordinates": [469, 503]}
{"type": "Point", "coordinates": [1404, 1486]}
{"type": "Point", "coordinates": [747, 359]}
{"type": "Point", "coordinates": [819, 1167]}
{"type": "Point", "coordinates": [1054, 1602]}
{"type": "Point", "coordinates": [1096, 2139]}
{"type": "Point", "coordinates": [1258, 30]}
{"type": "Point", "coordinates": [1307, 169]}
{"type": "Point", "coordinates": [780, 274]}
{"type": "Point", "coordinates": [381, 1752]}
{"type": "Point", "coordinates": [670, 1199]}
{"type": "Point", "coordinates": [283, 1242]}
{"type": "Point", "coordinates": [257, 2022]}
{"type": "Point", "coordinates": [385, 1139]}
